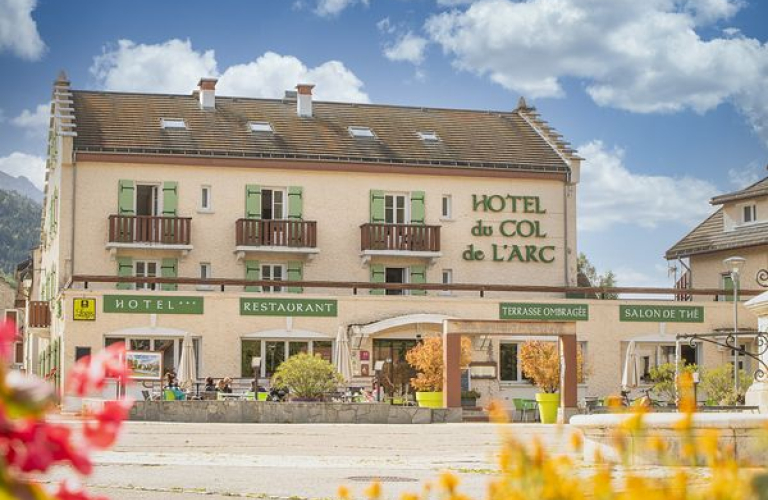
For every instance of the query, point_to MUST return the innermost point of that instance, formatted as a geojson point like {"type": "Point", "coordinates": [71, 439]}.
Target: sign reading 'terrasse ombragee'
{"type": "Point", "coordinates": [288, 307]}
{"type": "Point", "coordinates": [662, 314]}
{"type": "Point", "coordinates": [152, 304]}
{"type": "Point", "coordinates": [543, 312]}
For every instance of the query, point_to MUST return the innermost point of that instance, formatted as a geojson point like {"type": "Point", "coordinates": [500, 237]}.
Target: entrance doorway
{"type": "Point", "coordinates": [397, 372]}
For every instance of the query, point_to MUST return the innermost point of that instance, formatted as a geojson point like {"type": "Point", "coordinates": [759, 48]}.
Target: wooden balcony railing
{"type": "Point", "coordinates": [149, 229]}
{"type": "Point", "coordinates": [402, 237]}
{"type": "Point", "coordinates": [39, 314]}
{"type": "Point", "coordinates": [684, 283]}
{"type": "Point", "coordinates": [276, 232]}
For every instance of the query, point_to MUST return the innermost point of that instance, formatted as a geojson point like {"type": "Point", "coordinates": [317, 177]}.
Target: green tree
{"type": "Point", "coordinates": [19, 229]}
{"type": "Point", "coordinates": [663, 378]}
{"type": "Point", "coordinates": [718, 384]}
{"type": "Point", "coordinates": [588, 271]}
{"type": "Point", "coordinates": [307, 376]}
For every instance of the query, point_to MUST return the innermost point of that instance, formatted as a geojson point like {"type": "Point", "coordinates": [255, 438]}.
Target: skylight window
{"type": "Point", "coordinates": [177, 123]}
{"type": "Point", "coordinates": [261, 127]}
{"type": "Point", "coordinates": [428, 136]}
{"type": "Point", "coordinates": [364, 132]}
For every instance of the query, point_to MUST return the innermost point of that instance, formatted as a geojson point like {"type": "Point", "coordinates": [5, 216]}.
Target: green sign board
{"type": "Point", "coordinates": [152, 304]}
{"type": "Point", "coordinates": [288, 307]}
{"type": "Point", "coordinates": [662, 314]}
{"type": "Point", "coordinates": [543, 312]}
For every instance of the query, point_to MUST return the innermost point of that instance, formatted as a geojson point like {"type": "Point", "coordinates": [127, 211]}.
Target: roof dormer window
{"type": "Point", "coordinates": [749, 213]}
{"type": "Point", "coordinates": [428, 136]}
{"type": "Point", "coordinates": [362, 132]}
{"type": "Point", "coordinates": [261, 127]}
{"type": "Point", "coordinates": [173, 123]}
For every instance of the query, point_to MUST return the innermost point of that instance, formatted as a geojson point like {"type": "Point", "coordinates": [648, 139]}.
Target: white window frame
{"type": "Point", "coordinates": [449, 215]}
{"type": "Point", "coordinates": [261, 127]}
{"type": "Point", "coordinates": [204, 275]}
{"type": "Point", "coordinates": [273, 190]}
{"type": "Point", "coordinates": [428, 136]}
{"type": "Point", "coordinates": [158, 272]}
{"type": "Point", "coordinates": [177, 343]}
{"type": "Point", "coordinates": [158, 208]}
{"type": "Point", "coordinates": [273, 266]}
{"type": "Point", "coordinates": [752, 208]}
{"type": "Point", "coordinates": [406, 208]}
{"type": "Point", "coordinates": [521, 381]}
{"type": "Point", "coordinates": [361, 132]}
{"type": "Point", "coordinates": [406, 277]}
{"type": "Point", "coordinates": [203, 208]}
{"type": "Point", "coordinates": [173, 123]}
{"type": "Point", "coordinates": [286, 344]}
{"type": "Point", "coordinates": [443, 274]}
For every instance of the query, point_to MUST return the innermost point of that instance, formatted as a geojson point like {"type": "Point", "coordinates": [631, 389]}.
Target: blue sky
{"type": "Point", "coordinates": [666, 99]}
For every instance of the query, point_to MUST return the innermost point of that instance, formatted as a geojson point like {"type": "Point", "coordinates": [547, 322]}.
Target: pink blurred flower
{"type": "Point", "coordinates": [69, 490]}
{"type": "Point", "coordinates": [91, 372]}
{"type": "Point", "coordinates": [8, 333]}
{"type": "Point", "coordinates": [103, 432]}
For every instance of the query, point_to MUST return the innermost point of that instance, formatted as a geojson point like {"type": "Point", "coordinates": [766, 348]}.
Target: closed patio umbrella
{"type": "Point", "coordinates": [629, 378]}
{"type": "Point", "coordinates": [187, 375]}
{"type": "Point", "coordinates": [341, 354]}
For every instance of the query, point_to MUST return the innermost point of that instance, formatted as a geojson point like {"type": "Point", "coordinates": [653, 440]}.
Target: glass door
{"type": "Point", "coordinates": [397, 373]}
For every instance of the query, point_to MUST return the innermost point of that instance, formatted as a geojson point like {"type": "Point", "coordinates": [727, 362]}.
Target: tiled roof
{"type": "Point", "coordinates": [130, 123]}
{"type": "Point", "coordinates": [760, 188]}
{"type": "Point", "coordinates": [709, 236]}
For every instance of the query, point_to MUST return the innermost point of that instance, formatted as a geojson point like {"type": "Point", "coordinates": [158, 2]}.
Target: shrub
{"type": "Point", "coordinates": [663, 378]}
{"type": "Point", "coordinates": [718, 384]}
{"type": "Point", "coordinates": [541, 363]}
{"type": "Point", "coordinates": [427, 358]}
{"type": "Point", "coordinates": [307, 376]}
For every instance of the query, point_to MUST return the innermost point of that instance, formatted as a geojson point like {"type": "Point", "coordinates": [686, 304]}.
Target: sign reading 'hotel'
{"type": "Point", "coordinates": [543, 312]}
{"type": "Point", "coordinates": [662, 314]}
{"type": "Point", "coordinates": [288, 307]}
{"type": "Point", "coordinates": [152, 304]}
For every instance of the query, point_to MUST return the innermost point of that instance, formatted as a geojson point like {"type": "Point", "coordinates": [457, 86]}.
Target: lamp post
{"type": "Point", "coordinates": [733, 265]}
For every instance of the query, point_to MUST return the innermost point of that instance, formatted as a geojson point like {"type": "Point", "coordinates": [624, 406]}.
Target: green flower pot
{"type": "Point", "coordinates": [430, 399]}
{"type": "Point", "coordinates": [548, 404]}
{"type": "Point", "coordinates": [261, 396]}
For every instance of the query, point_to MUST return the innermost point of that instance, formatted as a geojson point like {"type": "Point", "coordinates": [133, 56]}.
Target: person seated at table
{"type": "Point", "coordinates": [171, 384]}
{"type": "Point", "coordinates": [210, 385]}
{"type": "Point", "coordinates": [224, 385]}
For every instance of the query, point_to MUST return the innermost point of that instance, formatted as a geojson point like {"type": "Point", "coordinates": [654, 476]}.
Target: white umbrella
{"type": "Point", "coordinates": [187, 375]}
{"type": "Point", "coordinates": [629, 377]}
{"type": "Point", "coordinates": [342, 354]}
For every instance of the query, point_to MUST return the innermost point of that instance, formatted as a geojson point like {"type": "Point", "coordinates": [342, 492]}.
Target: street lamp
{"type": "Point", "coordinates": [733, 265]}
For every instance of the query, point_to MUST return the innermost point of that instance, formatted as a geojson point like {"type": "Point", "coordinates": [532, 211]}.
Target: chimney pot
{"type": "Point", "coordinates": [207, 93]}
{"type": "Point", "coordinates": [304, 100]}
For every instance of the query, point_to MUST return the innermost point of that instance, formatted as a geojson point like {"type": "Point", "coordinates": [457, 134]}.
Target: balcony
{"type": "Point", "coordinates": [276, 236]}
{"type": "Point", "coordinates": [143, 231]}
{"type": "Point", "coordinates": [407, 240]}
{"type": "Point", "coordinates": [39, 314]}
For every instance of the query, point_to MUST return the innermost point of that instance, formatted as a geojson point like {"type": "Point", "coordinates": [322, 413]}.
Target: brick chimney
{"type": "Point", "coordinates": [304, 100]}
{"type": "Point", "coordinates": [207, 91]}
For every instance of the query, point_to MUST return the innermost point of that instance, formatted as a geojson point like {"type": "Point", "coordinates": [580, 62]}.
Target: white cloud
{"type": "Point", "coordinates": [747, 175]}
{"type": "Point", "coordinates": [385, 26]}
{"type": "Point", "coordinates": [30, 166]}
{"type": "Point", "coordinates": [272, 74]}
{"type": "Point", "coordinates": [18, 31]}
{"type": "Point", "coordinates": [408, 47]}
{"type": "Point", "coordinates": [610, 194]}
{"type": "Point", "coordinates": [35, 123]}
{"type": "Point", "coordinates": [145, 68]}
{"type": "Point", "coordinates": [330, 8]}
{"type": "Point", "coordinates": [638, 56]}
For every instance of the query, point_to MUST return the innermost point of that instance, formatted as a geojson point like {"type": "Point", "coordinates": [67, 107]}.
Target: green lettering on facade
{"type": "Point", "coordinates": [153, 304]}
{"type": "Point", "coordinates": [543, 312]}
{"type": "Point", "coordinates": [662, 314]}
{"type": "Point", "coordinates": [288, 307]}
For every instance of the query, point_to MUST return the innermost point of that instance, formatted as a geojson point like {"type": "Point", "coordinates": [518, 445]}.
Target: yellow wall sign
{"type": "Point", "coordinates": [84, 310]}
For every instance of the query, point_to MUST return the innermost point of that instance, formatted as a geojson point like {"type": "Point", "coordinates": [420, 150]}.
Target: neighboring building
{"type": "Point", "coordinates": [739, 227]}
{"type": "Point", "coordinates": [9, 311]}
{"type": "Point", "coordinates": [278, 190]}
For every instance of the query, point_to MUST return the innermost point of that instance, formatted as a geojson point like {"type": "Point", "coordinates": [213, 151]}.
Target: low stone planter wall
{"type": "Point", "coordinates": [745, 433]}
{"type": "Point", "coordinates": [289, 413]}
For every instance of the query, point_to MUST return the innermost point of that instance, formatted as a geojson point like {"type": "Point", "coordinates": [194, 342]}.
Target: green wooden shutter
{"type": "Point", "coordinates": [728, 285]}
{"type": "Point", "coordinates": [377, 206]}
{"type": "Point", "coordinates": [125, 197]}
{"type": "Point", "coordinates": [124, 269]}
{"type": "Point", "coordinates": [169, 269]}
{"type": "Point", "coordinates": [253, 201]}
{"type": "Point", "coordinates": [295, 273]}
{"type": "Point", "coordinates": [252, 273]}
{"type": "Point", "coordinates": [170, 198]}
{"type": "Point", "coordinates": [418, 275]}
{"type": "Point", "coordinates": [418, 211]}
{"type": "Point", "coordinates": [378, 275]}
{"type": "Point", "coordinates": [295, 202]}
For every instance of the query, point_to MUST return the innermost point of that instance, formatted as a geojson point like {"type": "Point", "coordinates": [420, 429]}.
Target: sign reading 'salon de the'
{"type": "Point", "coordinates": [662, 314]}
{"type": "Point", "coordinates": [152, 304]}
{"type": "Point", "coordinates": [288, 307]}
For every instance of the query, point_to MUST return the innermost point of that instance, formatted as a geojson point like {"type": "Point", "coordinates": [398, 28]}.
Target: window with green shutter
{"type": "Point", "coordinates": [377, 206]}
{"type": "Point", "coordinates": [418, 275]}
{"type": "Point", "coordinates": [295, 272]}
{"type": "Point", "coordinates": [295, 202]}
{"type": "Point", "coordinates": [169, 269]}
{"type": "Point", "coordinates": [125, 269]}
{"type": "Point", "coordinates": [170, 198]}
{"type": "Point", "coordinates": [418, 210]}
{"type": "Point", "coordinates": [252, 273]}
{"type": "Point", "coordinates": [125, 197]}
{"type": "Point", "coordinates": [253, 201]}
{"type": "Point", "coordinates": [378, 275]}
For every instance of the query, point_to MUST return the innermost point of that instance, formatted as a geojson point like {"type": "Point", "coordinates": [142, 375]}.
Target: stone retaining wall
{"type": "Point", "coordinates": [289, 413]}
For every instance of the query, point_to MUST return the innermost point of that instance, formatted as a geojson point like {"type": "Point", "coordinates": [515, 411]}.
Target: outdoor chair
{"type": "Point", "coordinates": [530, 405]}
{"type": "Point", "coordinates": [519, 409]}
{"type": "Point", "coordinates": [169, 395]}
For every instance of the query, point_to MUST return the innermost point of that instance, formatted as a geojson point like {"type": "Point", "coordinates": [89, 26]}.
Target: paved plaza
{"type": "Point", "coordinates": [192, 461]}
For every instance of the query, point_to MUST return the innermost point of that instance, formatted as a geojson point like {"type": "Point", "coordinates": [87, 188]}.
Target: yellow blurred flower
{"type": "Point", "coordinates": [373, 491]}
{"type": "Point", "coordinates": [344, 493]}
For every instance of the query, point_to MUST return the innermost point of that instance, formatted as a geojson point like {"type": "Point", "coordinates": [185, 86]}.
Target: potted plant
{"type": "Point", "coordinates": [541, 363]}
{"type": "Point", "coordinates": [307, 377]}
{"type": "Point", "coordinates": [427, 358]}
{"type": "Point", "coordinates": [469, 398]}
{"type": "Point", "coordinates": [718, 384]}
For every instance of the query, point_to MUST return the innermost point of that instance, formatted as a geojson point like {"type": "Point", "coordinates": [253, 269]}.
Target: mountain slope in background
{"type": "Point", "coordinates": [21, 185]}
{"type": "Point", "coordinates": [19, 228]}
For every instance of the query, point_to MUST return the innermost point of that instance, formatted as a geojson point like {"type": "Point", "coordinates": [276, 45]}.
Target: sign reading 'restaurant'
{"type": "Point", "coordinates": [544, 312]}
{"type": "Point", "coordinates": [152, 304]}
{"type": "Point", "coordinates": [662, 314]}
{"type": "Point", "coordinates": [288, 307]}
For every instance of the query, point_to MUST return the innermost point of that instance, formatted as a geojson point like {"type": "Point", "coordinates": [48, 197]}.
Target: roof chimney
{"type": "Point", "coordinates": [304, 100]}
{"type": "Point", "coordinates": [207, 93]}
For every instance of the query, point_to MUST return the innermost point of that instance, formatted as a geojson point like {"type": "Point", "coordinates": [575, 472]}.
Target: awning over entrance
{"type": "Point", "coordinates": [372, 329]}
